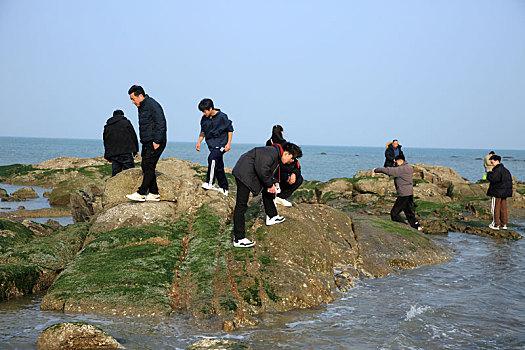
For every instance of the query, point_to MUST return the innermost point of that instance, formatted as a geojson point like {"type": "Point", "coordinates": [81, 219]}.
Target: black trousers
{"type": "Point", "coordinates": [406, 204]}
{"type": "Point", "coordinates": [121, 162]}
{"type": "Point", "coordinates": [150, 158]}
{"type": "Point", "coordinates": [216, 168]}
{"type": "Point", "coordinates": [287, 189]}
{"type": "Point", "coordinates": [241, 205]}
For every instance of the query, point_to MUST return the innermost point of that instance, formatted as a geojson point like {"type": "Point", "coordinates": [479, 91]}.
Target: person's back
{"type": "Point", "coordinates": [120, 142]}
{"type": "Point", "coordinates": [500, 180]}
{"type": "Point", "coordinates": [152, 122]}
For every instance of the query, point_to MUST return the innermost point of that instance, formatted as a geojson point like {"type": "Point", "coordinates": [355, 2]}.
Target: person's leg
{"type": "Point", "coordinates": [497, 212]}
{"type": "Point", "coordinates": [219, 171]}
{"type": "Point", "coordinates": [153, 188]}
{"type": "Point", "coordinates": [492, 209]}
{"type": "Point", "coordinates": [150, 157]}
{"type": "Point", "coordinates": [287, 189]}
{"type": "Point", "coordinates": [269, 205]}
{"type": "Point", "coordinates": [210, 175]}
{"type": "Point", "coordinates": [241, 205]}
{"type": "Point", "coordinates": [411, 213]}
{"type": "Point", "coordinates": [116, 166]}
{"type": "Point", "coordinates": [504, 216]}
{"type": "Point", "coordinates": [399, 205]}
{"type": "Point", "coordinates": [127, 161]}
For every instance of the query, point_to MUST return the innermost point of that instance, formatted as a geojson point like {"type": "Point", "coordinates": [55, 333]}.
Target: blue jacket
{"type": "Point", "coordinates": [216, 129]}
{"type": "Point", "coordinates": [152, 123]}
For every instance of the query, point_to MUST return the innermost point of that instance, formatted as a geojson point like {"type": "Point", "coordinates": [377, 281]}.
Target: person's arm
{"type": "Point", "coordinates": [135, 139]}
{"type": "Point", "coordinates": [229, 144]}
{"type": "Point", "coordinates": [160, 124]}
{"type": "Point", "coordinates": [198, 145]}
{"type": "Point", "coordinates": [264, 164]}
{"type": "Point", "coordinates": [494, 176]}
{"type": "Point", "coordinates": [389, 155]}
{"type": "Point", "coordinates": [104, 137]}
{"type": "Point", "coordinates": [389, 171]}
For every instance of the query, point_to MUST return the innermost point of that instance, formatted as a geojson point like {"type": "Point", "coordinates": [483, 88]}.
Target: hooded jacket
{"type": "Point", "coordinates": [152, 123]}
{"type": "Point", "coordinates": [285, 170]}
{"type": "Point", "coordinates": [500, 182]}
{"type": "Point", "coordinates": [119, 137]}
{"type": "Point", "coordinates": [403, 178]}
{"type": "Point", "coordinates": [216, 129]}
{"type": "Point", "coordinates": [389, 154]}
{"type": "Point", "coordinates": [256, 168]}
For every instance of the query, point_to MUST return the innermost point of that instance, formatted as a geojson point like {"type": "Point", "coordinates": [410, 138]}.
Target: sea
{"type": "Point", "coordinates": [475, 301]}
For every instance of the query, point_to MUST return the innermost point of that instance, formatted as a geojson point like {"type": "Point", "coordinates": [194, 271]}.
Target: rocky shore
{"type": "Point", "coordinates": [149, 259]}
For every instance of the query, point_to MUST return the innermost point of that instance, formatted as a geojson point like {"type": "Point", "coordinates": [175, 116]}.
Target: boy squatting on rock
{"type": "Point", "coordinates": [218, 131]}
{"type": "Point", "coordinates": [403, 177]}
{"type": "Point", "coordinates": [255, 172]}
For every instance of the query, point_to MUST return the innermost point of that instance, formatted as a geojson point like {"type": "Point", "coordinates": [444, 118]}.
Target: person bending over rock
{"type": "Point", "coordinates": [120, 142]}
{"type": "Point", "coordinates": [403, 177]}
{"type": "Point", "coordinates": [500, 188]}
{"type": "Point", "coordinates": [218, 131]}
{"type": "Point", "coordinates": [255, 172]}
{"type": "Point", "coordinates": [152, 131]}
{"type": "Point", "coordinates": [289, 175]}
{"type": "Point", "coordinates": [393, 149]}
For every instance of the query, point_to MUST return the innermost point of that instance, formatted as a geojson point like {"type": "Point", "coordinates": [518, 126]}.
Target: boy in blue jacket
{"type": "Point", "coordinates": [218, 131]}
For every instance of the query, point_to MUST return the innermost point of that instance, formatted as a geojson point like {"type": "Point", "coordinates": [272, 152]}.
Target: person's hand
{"type": "Point", "coordinates": [198, 146]}
{"type": "Point", "coordinates": [227, 147]}
{"type": "Point", "coordinates": [272, 189]}
{"type": "Point", "coordinates": [155, 145]}
{"type": "Point", "coordinates": [373, 172]}
{"type": "Point", "coordinates": [137, 154]}
{"type": "Point", "coordinates": [291, 179]}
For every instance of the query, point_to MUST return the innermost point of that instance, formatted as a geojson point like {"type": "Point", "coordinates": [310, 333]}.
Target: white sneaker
{"type": "Point", "coordinates": [282, 201]}
{"type": "Point", "coordinates": [243, 243]}
{"type": "Point", "coordinates": [207, 186]}
{"type": "Point", "coordinates": [136, 197]}
{"type": "Point", "coordinates": [494, 227]}
{"type": "Point", "coordinates": [275, 220]}
{"type": "Point", "coordinates": [419, 228]}
{"type": "Point", "coordinates": [504, 227]}
{"type": "Point", "coordinates": [153, 197]}
{"type": "Point", "coordinates": [221, 190]}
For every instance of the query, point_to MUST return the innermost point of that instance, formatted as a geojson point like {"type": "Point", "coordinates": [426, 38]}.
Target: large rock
{"type": "Point", "coordinates": [71, 162]}
{"type": "Point", "coordinates": [463, 191]}
{"type": "Point", "coordinates": [429, 192]}
{"type": "Point", "coordinates": [85, 204]}
{"type": "Point", "coordinates": [76, 336]}
{"type": "Point", "coordinates": [438, 175]}
{"type": "Point", "coordinates": [3, 194]}
{"type": "Point", "coordinates": [25, 193]}
{"type": "Point", "coordinates": [380, 186]}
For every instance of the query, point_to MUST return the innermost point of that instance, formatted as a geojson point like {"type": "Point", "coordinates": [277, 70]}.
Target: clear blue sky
{"type": "Point", "coordinates": [431, 73]}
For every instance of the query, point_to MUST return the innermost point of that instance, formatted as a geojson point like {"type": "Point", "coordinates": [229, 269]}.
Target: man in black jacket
{"type": "Point", "coordinates": [500, 188]}
{"type": "Point", "coordinates": [120, 142]}
{"type": "Point", "coordinates": [255, 172]}
{"type": "Point", "coordinates": [152, 131]}
{"type": "Point", "coordinates": [393, 149]}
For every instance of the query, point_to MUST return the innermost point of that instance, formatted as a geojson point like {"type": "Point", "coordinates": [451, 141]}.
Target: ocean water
{"type": "Point", "coordinates": [318, 162]}
{"type": "Point", "coordinates": [475, 301]}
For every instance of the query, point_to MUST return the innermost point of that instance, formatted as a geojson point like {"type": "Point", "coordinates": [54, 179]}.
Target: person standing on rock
{"type": "Point", "coordinates": [487, 164]}
{"type": "Point", "coordinates": [403, 179]}
{"type": "Point", "coordinates": [289, 175]}
{"type": "Point", "coordinates": [255, 172]}
{"type": "Point", "coordinates": [500, 188]}
{"type": "Point", "coordinates": [393, 149]}
{"type": "Point", "coordinates": [218, 131]}
{"type": "Point", "coordinates": [120, 142]}
{"type": "Point", "coordinates": [152, 131]}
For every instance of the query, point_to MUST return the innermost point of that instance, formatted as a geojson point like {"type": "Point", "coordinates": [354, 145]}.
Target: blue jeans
{"type": "Point", "coordinates": [121, 162]}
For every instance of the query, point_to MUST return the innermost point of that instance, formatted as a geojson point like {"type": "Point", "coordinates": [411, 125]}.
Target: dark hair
{"type": "Point", "coordinates": [118, 112]}
{"type": "Point", "coordinates": [495, 157]}
{"type": "Point", "coordinates": [277, 135]}
{"type": "Point", "coordinates": [492, 152]}
{"type": "Point", "coordinates": [400, 156]}
{"type": "Point", "coordinates": [205, 105]}
{"type": "Point", "coordinates": [136, 90]}
{"type": "Point", "coordinates": [394, 140]}
{"type": "Point", "coordinates": [293, 149]}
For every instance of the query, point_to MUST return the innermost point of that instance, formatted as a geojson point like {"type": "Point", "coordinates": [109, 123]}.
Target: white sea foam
{"type": "Point", "coordinates": [415, 310]}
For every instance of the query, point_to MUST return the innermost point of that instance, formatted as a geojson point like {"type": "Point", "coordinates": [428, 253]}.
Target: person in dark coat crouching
{"type": "Point", "coordinates": [120, 142]}
{"type": "Point", "coordinates": [403, 179]}
{"type": "Point", "coordinates": [289, 175]}
{"type": "Point", "coordinates": [393, 149]}
{"type": "Point", "coordinates": [255, 172]}
{"type": "Point", "coordinates": [500, 188]}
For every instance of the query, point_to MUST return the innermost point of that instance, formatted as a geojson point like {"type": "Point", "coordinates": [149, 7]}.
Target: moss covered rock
{"type": "Point", "coordinates": [76, 336]}
{"type": "Point", "coordinates": [25, 193]}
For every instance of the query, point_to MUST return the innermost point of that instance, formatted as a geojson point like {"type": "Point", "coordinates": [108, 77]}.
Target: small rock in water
{"type": "Point", "coordinates": [55, 225]}
{"type": "Point", "coordinates": [75, 336]}
{"type": "Point", "coordinates": [21, 207]}
{"type": "Point", "coordinates": [47, 194]}
{"type": "Point", "coordinates": [323, 153]}
{"type": "Point", "coordinates": [216, 344]}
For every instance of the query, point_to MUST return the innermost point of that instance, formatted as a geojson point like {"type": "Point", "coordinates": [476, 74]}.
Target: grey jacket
{"type": "Point", "coordinates": [403, 176]}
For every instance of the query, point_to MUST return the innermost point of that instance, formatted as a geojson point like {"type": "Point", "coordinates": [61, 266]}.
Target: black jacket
{"type": "Point", "coordinates": [216, 129]}
{"type": "Point", "coordinates": [119, 137]}
{"type": "Point", "coordinates": [152, 123]}
{"type": "Point", "coordinates": [285, 170]}
{"type": "Point", "coordinates": [500, 182]}
{"type": "Point", "coordinates": [389, 155]}
{"type": "Point", "coordinates": [256, 168]}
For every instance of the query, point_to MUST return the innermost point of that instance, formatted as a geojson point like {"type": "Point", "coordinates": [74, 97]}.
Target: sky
{"type": "Point", "coordinates": [438, 74]}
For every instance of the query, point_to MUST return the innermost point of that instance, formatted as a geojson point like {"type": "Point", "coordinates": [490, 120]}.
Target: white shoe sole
{"type": "Point", "coordinates": [135, 199]}
{"type": "Point", "coordinates": [239, 245]}
{"type": "Point", "coordinates": [153, 200]}
{"type": "Point", "coordinates": [275, 222]}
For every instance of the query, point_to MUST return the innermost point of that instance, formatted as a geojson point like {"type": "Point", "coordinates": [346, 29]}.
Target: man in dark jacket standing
{"type": "Point", "coordinates": [120, 142]}
{"type": "Point", "coordinates": [152, 131]}
{"type": "Point", "coordinates": [255, 172]}
{"type": "Point", "coordinates": [218, 131]}
{"type": "Point", "coordinates": [393, 149]}
{"type": "Point", "coordinates": [500, 188]}
{"type": "Point", "coordinates": [403, 179]}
